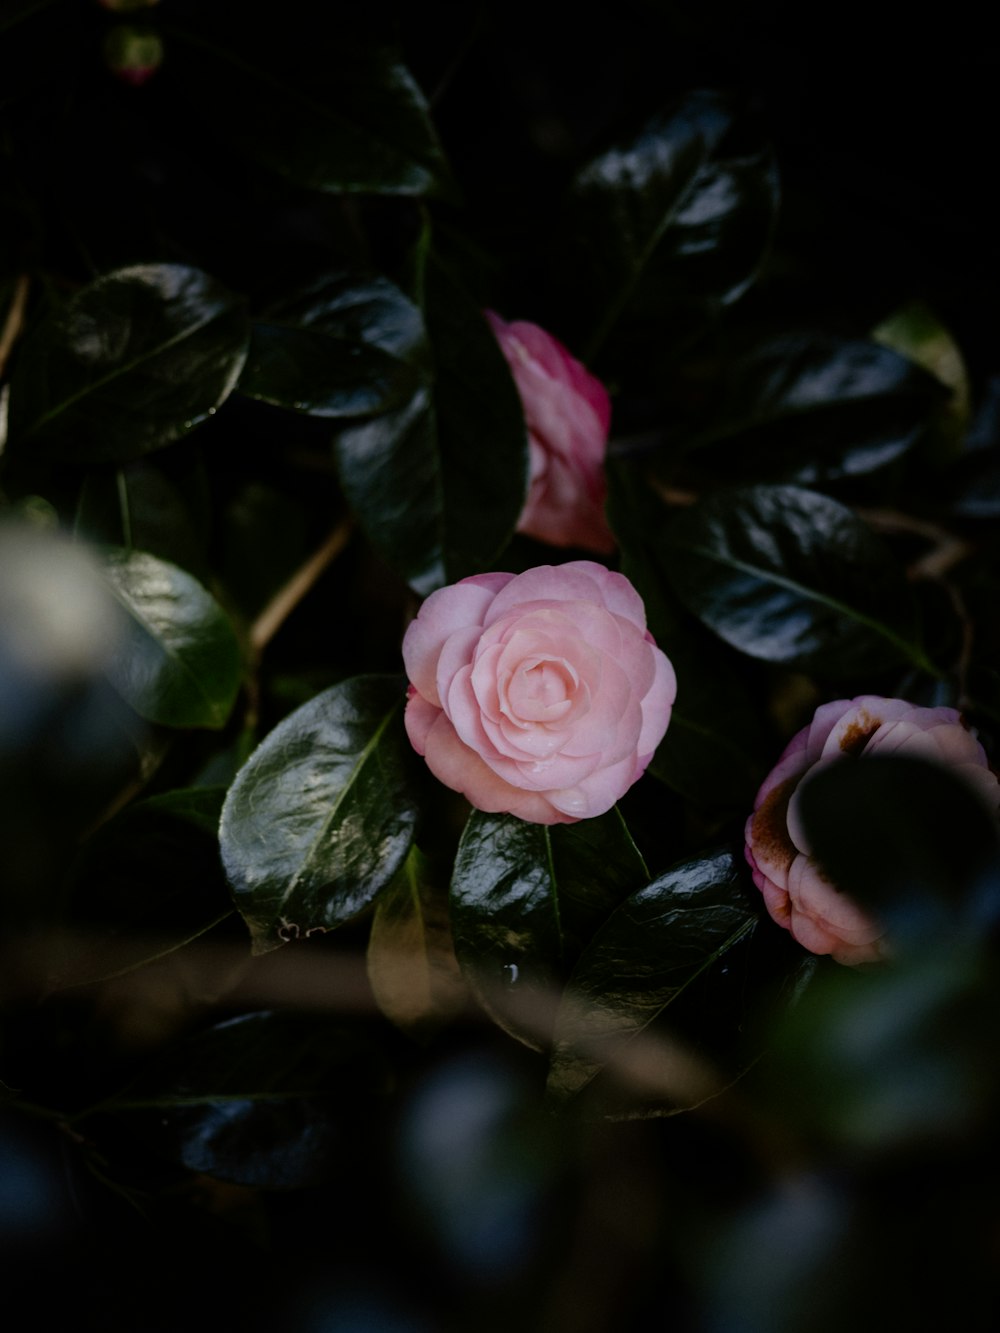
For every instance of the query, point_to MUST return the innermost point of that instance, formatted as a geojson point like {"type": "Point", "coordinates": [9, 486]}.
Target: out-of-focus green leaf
{"type": "Point", "coordinates": [321, 816]}
{"type": "Point", "coordinates": [440, 483]}
{"type": "Point", "coordinates": [525, 898]}
{"type": "Point", "coordinates": [889, 1057]}
{"type": "Point", "coordinates": [813, 407]}
{"type": "Point", "coordinates": [411, 962]}
{"type": "Point", "coordinates": [679, 215]}
{"type": "Point", "coordinates": [909, 839]}
{"type": "Point", "coordinates": [179, 660]}
{"type": "Point", "coordinates": [127, 365]}
{"type": "Point", "coordinates": [789, 575]}
{"type": "Point", "coordinates": [146, 883]}
{"type": "Point", "coordinates": [915, 332]}
{"type": "Point", "coordinates": [334, 111]}
{"type": "Point", "coordinates": [648, 951]}
{"type": "Point", "coordinates": [269, 1100]}
{"type": "Point", "coordinates": [346, 346]}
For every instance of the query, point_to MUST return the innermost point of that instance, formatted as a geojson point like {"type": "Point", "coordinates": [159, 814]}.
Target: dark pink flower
{"type": "Point", "coordinates": [796, 892]}
{"type": "Point", "coordinates": [567, 412]}
{"type": "Point", "coordinates": [541, 694]}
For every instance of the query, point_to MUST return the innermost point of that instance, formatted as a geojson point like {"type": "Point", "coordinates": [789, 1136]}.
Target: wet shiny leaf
{"type": "Point", "coordinates": [321, 816]}
{"type": "Point", "coordinates": [439, 484]}
{"type": "Point", "coordinates": [525, 898]}
{"type": "Point", "coordinates": [680, 214]}
{"type": "Point", "coordinates": [649, 950]}
{"type": "Point", "coordinates": [789, 575]}
{"type": "Point", "coordinates": [343, 116]}
{"type": "Point", "coordinates": [128, 364]}
{"type": "Point", "coordinates": [813, 407]}
{"type": "Point", "coordinates": [345, 346]}
{"type": "Point", "coordinates": [179, 660]}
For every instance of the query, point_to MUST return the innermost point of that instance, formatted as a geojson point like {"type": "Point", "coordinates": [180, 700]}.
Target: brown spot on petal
{"type": "Point", "coordinates": [859, 733]}
{"type": "Point", "coordinates": [769, 838]}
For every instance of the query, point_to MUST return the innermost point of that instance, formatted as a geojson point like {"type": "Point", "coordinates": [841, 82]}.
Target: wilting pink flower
{"type": "Point", "coordinates": [567, 412]}
{"type": "Point", "coordinates": [541, 694]}
{"type": "Point", "coordinates": [796, 892]}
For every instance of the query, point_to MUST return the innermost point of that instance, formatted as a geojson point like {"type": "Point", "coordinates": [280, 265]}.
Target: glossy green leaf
{"type": "Point", "coordinates": [714, 743]}
{"type": "Point", "coordinates": [342, 117]}
{"type": "Point", "coordinates": [649, 950]}
{"type": "Point", "coordinates": [346, 346]}
{"type": "Point", "coordinates": [681, 213]}
{"type": "Point", "coordinates": [321, 816]}
{"type": "Point", "coordinates": [412, 968]}
{"type": "Point", "coordinates": [179, 660]}
{"type": "Point", "coordinates": [128, 364]}
{"type": "Point", "coordinates": [916, 333]}
{"type": "Point", "coordinates": [440, 483]}
{"type": "Point", "coordinates": [789, 575]}
{"type": "Point", "coordinates": [525, 898]}
{"type": "Point", "coordinates": [813, 407]}
{"type": "Point", "coordinates": [269, 1100]}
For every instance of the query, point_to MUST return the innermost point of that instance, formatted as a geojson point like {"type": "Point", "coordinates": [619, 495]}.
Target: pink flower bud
{"type": "Point", "coordinates": [133, 54]}
{"type": "Point", "coordinates": [796, 892]}
{"type": "Point", "coordinates": [567, 412]}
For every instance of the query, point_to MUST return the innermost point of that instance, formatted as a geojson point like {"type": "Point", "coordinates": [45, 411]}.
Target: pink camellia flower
{"type": "Point", "coordinates": [541, 694]}
{"type": "Point", "coordinates": [797, 894]}
{"type": "Point", "coordinates": [567, 412]}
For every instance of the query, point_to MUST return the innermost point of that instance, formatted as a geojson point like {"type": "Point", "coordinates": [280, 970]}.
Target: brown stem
{"type": "Point", "coordinates": [14, 322]}
{"type": "Point", "coordinates": [287, 598]}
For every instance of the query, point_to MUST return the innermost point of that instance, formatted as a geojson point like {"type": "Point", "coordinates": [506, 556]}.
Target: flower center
{"type": "Point", "coordinates": [540, 690]}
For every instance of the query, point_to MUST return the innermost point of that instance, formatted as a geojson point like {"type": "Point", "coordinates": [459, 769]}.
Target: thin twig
{"type": "Point", "coordinates": [947, 549]}
{"type": "Point", "coordinates": [14, 322]}
{"type": "Point", "coordinates": [287, 598]}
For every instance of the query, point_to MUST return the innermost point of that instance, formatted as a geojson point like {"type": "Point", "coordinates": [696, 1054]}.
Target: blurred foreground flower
{"type": "Point", "coordinates": [540, 694]}
{"type": "Point", "coordinates": [797, 893]}
{"type": "Point", "coordinates": [567, 412]}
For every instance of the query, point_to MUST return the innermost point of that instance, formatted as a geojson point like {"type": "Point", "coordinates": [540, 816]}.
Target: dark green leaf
{"type": "Point", "coordinates": [891, 1057]}
{"type": "Point", "coordinates": [525, 898]}
{"type": "Point", "coordinates": [321, 816]}
{"type": "Point", "coordinates": [266, 1099]}
{"type": "Point", "coordinates": [788, 575]}
{"type": "Point", "coordinates": [711, 752]}
{"type": "Point", "coordinates": [412, 967]}
{"type": "Point", "coordinates": [440, 483]}
{"type": "Point", "coordinates": [644, 956]}
{"type": "Point", "coordinates": [344, 116]}
{"type": "Point", "coordinates": [149, 881]}
{"type": "Point", "coordinates": [128, 364]}
{"type": "Point", "coordinates": [814, 407]}
{"type": "Point", "coordinates": [347, 346]}
{"type": "Point", "coordinates": [179, 662]}
{"type": "Point", "coordinates": [682, 213]}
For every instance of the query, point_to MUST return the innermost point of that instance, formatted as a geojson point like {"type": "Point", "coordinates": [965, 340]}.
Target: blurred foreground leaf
{"type": "Point", "coordinates": [266, 1099]}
